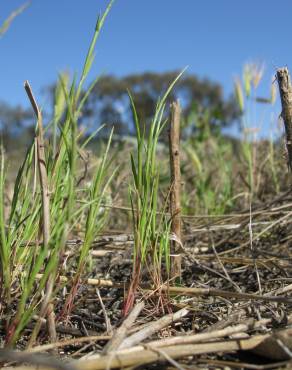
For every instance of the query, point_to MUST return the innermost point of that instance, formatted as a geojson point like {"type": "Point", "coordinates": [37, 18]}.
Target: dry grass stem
{"type": "Point", "coordinates": [47, 307]}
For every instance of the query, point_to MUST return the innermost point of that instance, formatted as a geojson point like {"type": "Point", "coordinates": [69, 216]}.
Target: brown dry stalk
{"type": "Point", "coordinates": [190, 345]}
{"type": "Point", "coordinates": [109, 329]}
{"type": "Point", "coordinates": [67, 342]}
{"type": "Point", "coordinates": [174, 152]}
{"type": "Point", "coordinates": [285, 89]}
{"type": "Point", "coordinates": [142, 355]}
{"type": "Point", "coordinates": [207, 336]}
{"type": "Point", "coordinates": [120, 333]}
{"type": "Point", "coordinates": [200, 337]}
{"type": "Point", "coordinates": [223, 293]}
{"type": "Point", "coordinates": [91, 281]}
{"type": "Point", "coordinates": [182, 290]}
{"type": "Point", "coordinates": [39, 361]}
{"type": "Point", "coordinates": [47, 307]}
{"type": "Point", "coordinates": [152, 328]}
{"type": "Point", "coordinates": [175, 187]}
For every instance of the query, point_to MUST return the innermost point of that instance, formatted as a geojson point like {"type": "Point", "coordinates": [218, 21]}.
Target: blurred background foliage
{"type": "Point", "coordinates": [220, 172]}
{"type": "Point", "coordinates": [109, 104]}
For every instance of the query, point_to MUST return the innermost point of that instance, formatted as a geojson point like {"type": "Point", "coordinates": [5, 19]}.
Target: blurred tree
{"type": "Point", "coordinates": [14, 121]}
{"type": "Point", "coordinates": [109, 101]}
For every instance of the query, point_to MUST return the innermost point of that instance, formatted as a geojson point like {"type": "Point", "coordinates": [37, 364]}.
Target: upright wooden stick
{"type": "Point", "coordinates": [285, 89]}
{"type": "Point", "coordinates": [175, 188]}
{"type": "Point", "coordinates": [47, 307]}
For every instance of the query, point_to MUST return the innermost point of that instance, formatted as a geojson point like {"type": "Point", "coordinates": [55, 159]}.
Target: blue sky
{"type": "Point", "coordinates": [213, 37]}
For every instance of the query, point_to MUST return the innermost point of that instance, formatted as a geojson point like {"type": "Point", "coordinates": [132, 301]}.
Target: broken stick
{"type": "Point", "coordinates": [285, 89]}
{"type": "Point", "coordinates": [175, 188]}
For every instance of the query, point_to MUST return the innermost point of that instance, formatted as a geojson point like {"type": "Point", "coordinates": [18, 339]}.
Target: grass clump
{"type": "Point", "coordinates": [151, 233]}
{"type": "Point", "coordinates": [30, 260]}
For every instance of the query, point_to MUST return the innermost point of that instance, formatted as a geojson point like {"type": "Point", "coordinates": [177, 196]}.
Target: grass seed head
{"type": "Point", "coordinates": [273, 91]}
{"type": "Point", "coordinates": [247, 78]}
{"type": "Point", "coordinates": [239, 94]}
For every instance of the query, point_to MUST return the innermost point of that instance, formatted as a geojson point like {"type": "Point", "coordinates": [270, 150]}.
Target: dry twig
{"type": "Point", "coordinates": [152, 328]}
{"type": "Point", "coordinates": [285, 89]}
{"type": "Point", "coordinates": [175, 188]}
{"type": "Point", "coordinates": [47, 307]}
{"type": "Point", "coordinates": [120, 334]}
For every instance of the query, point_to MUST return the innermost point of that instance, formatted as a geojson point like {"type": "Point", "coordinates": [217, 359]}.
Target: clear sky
{"type": "Point", "coordinates": [213, 37]}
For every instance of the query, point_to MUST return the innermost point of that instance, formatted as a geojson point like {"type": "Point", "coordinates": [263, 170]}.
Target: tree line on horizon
{"type": "Point", "coordinates": [109, 104]}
